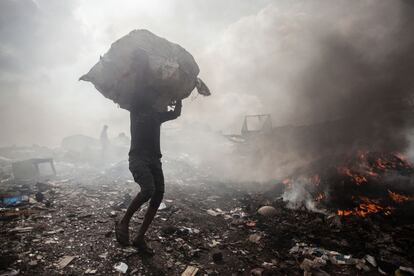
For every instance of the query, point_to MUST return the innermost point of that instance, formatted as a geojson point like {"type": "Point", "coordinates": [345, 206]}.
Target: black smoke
{"type": "Point", "coordinates": [364, 92]}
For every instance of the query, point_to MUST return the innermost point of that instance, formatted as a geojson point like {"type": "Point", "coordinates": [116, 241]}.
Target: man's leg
{"type": "Point", "coordinates": [143, 176]}
{"type": "Point", "coordinates": [142, 197]}
{"type": "Point", "coordinates": [155, 202]}
{"type": "Point", "coordinates": [150, 214]}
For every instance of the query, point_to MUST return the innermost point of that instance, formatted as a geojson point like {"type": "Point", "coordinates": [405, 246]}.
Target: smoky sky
{"type": "Point", "coordinates": [31, 35]}
{"type": "Point", "coordinates": [46, 45]}
{"type": "Point", "coordinates": [302, 61]}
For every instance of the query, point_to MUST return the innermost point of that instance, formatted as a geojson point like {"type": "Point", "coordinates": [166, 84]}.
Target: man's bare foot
{"type": "Point", "coordinates": [122, 233]}
{"type": "Point", "coordinates": [143, 246]}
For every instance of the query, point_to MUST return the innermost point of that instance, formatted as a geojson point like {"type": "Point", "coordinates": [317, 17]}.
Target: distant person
{"type": "Point", "coordinates": [104, 142]}
{"type": "Point", "coordinates": [145, 166]}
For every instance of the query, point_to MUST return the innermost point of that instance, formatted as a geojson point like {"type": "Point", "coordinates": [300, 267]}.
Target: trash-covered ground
{"type": "Point", "coordinates": [204, 227]}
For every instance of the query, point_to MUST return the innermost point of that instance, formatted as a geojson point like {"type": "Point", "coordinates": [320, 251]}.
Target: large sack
{"type": "Point", "coordinates": [141, 63]}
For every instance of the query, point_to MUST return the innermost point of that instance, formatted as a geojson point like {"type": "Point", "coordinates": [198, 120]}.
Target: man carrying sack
{"type": "Point", "coordinates": [144, 74]}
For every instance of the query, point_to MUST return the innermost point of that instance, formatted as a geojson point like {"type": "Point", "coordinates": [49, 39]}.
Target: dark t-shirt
{"type": "Point", "coordinates": [145, 131]}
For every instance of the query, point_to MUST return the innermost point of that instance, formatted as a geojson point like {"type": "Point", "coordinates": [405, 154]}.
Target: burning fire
{"type": "Point", "coordinates": [370, 165]}
{"type": "Point", "coordinates": [368, 206]}
{"type": "Point", "coordinates": [360, 185]}
{"type": "Point", "coordinates": [399, 198]}
{"type": "Point", "coordinates": [358, 179]}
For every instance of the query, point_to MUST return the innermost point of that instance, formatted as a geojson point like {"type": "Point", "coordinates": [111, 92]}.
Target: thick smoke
{"type": "Point", "coordinates": [364, 73]}
{"type": "Point", "coordinates": [339, 70]}
{"type": "Point", "coordinates": [305, 62]}
{"type": "Point", "coordinates": [317, 60]}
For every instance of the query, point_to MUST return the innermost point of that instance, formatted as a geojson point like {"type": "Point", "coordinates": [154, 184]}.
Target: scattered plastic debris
{"type": "Point", "coordinates": [162, 206]}
{"type": "Point", "coordinates": [216, 212]}
{"type": "Point", "coordinates": [64, 261]}
{"type": "Point", "coordinates": [21, 229]}
{"type": "Point", "coordinates": [321, 256]}
{"type": "Point", "coordinates": [91, 271]}
{"type": "Point", "coordinates": [121, 267]}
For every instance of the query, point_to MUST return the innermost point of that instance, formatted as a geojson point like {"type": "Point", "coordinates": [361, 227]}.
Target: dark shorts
{"type": "Point", "coordinates": [147, 172]}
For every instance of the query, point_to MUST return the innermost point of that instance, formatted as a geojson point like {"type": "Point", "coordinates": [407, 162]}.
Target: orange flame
{"type": "Point", "coordinates": [358, 179]}
{"type": "Point", "coordinates": [368, 206]}
{"type": "Point", "coordinates": [381, 164]}
{"type": "Point", "coordinates": [399, 198]}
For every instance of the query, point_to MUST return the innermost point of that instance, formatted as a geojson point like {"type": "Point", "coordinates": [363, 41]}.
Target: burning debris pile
{"type": "Point", "coordinates": [361, 184]}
